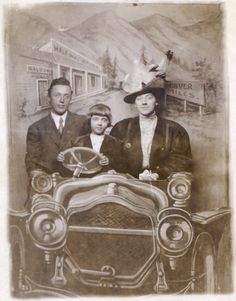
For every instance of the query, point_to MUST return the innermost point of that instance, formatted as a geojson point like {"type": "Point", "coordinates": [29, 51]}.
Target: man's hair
{"type": "Point", "coordinates": [58, 81]}
{"type": "Point", "coordinates": [101, 110]}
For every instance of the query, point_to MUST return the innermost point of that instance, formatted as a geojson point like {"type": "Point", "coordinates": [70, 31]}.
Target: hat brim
{"type": "Point", "coordinates": [157, 92]}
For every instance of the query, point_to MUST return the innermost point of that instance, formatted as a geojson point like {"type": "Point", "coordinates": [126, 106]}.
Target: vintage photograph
{"type": "Point", "coordinates": [118, 143]}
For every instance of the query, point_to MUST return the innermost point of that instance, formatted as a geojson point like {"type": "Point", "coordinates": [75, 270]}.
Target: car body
{"type": "Point", "coordinates": [112, 234]}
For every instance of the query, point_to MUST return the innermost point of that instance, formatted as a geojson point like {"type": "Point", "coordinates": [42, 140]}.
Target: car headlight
{"type": "Point", "coordinates": [179, 188]}
{"type": "Point", "coordinates": [174, 233]}
{"type": "Point", "coordinates": [47, 227]}
{"type": "Point", "coordinates": [42, 182]}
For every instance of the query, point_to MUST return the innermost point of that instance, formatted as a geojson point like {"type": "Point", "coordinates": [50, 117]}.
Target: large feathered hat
{"type": "Point", "coordinates": [156, 87]}
{"type": "Point", "coordinates": [143, 80]}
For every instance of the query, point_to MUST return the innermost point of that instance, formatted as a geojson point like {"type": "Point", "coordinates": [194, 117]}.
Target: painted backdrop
{"type": "Point", "coordinates": [95, 46]}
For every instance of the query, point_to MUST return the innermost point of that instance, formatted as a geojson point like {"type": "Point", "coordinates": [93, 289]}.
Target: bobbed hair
{"type": "Point", "coordinates": [100, 109]}
{"type": "Point", "coordinates": [58, 81]}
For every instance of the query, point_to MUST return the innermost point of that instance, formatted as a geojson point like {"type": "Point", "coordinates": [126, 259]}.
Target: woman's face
{"type": "Point", "coordinates": [145, 104]}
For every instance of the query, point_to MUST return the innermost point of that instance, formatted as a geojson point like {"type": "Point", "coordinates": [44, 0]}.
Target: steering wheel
{"type": "Point", "coordinates": [82, 160]}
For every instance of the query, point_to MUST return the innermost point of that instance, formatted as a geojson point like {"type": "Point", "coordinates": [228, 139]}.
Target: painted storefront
{"type": "Point", "coordinates": [34, 71]}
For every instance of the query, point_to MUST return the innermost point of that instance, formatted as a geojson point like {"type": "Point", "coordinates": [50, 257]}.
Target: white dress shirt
{"type": "Point", "coordinates": [96, 141]}
{"type": "Point", "coordinates": [147, 128]}
{"type": "Point", "coordinates": [56, 118]}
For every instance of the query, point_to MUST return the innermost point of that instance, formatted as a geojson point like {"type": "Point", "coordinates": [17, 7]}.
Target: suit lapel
{"type": "Point", "coordinates": [135, 140]}
{"type": "Point", "coordinates": [158, 142]}
{"type": "Point", "coordinates": [106, 145]}
{"type": "Point", "coordinates": [51, 130]}
{"type": "Point", "coordinates": [136, 133]}
{"type": "Point", "coordinates": [68, 132]}
{"type": "Point", "coordinates": [87, 141]}
{"type": "Point", "coordinates": [135, 127]}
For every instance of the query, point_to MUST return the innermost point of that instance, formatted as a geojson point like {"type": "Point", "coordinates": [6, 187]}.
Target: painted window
{"type": "Point", "coordinates": [78, 82]}
{"type": "Point", "coordinates": [42, 87]}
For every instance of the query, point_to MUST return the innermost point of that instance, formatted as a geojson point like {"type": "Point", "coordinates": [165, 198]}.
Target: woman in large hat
{"type": "Point", "coordinates": [151, 142]}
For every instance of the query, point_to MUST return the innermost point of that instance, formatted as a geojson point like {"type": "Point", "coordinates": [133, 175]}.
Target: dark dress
{"type": "Point", "coordinates": [170, 150]}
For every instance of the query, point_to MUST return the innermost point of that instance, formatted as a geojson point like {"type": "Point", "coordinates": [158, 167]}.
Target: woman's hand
{"type": "Point", "coordinates": [60, 157]}
{"type": "Point", "coordinates": [104, 161]}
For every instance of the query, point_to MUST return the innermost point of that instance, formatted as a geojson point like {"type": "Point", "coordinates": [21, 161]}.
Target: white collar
{"type": "Point", "coordinates": [96, 137]}
{"type": "Point", "coordinates": [56, 118]}
{"type": "Point", "coordinates": [96, 141]}
{"type": "Point", "coordinates": [148, 118]}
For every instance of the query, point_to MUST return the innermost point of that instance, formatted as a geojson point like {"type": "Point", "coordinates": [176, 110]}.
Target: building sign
{"type": "Point", "coordinates": [191, 91]}
{"type": "Point", "coordinates": [38, 69]}
{"type": "Point", "coordinates": [86, 64]}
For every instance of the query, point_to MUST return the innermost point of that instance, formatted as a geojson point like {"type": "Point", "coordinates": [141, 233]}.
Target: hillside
{"type": "Point", "coordinates": [210, 29]}
{"type": "Point", "coordinates": [26, 31]}
{"type": "Point", "coordinates": [188, 45]}
{"type": "Point", "coordinates": [124, 41]}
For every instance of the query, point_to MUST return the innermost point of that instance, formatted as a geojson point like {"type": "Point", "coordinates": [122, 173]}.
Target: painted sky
{"type": "Point", "coordinates": [69, 15]}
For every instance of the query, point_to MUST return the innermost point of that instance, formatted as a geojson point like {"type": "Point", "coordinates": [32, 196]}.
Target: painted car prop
{"type": "Point", "coordinates": [112, 234]}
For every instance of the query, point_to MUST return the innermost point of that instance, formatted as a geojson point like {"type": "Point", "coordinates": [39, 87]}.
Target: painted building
{"type": "Point", "coordinates": [29, 72]}
{"type": "Point", "coordinates": [34, 70]}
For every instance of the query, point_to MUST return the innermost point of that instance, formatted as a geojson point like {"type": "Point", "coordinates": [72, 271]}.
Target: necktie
{"type": "Point", "coordinates": [60, 129]}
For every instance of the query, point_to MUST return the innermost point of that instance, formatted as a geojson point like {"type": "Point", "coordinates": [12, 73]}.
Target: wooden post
{"type": "Point", "coordinates": [70, 76]}
{"type": "Point", "coordinates": [185, 106]}
{"type": "Point", "coordinates": [85, 84]}
{"type": "Point", "coordinates": [58, 71]}
{"type": "Point", "coordinates": [200, 110]}
{"type": "Point", "coordinates": [165, 98]}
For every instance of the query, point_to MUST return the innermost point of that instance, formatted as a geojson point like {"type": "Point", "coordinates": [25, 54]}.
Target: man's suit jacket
{"type": "Point", "coordinates": [170, 150]}
{"type": "Point", "coordinates": [111, 148]}
{"type": "Point", "coordinates": [44, 142]}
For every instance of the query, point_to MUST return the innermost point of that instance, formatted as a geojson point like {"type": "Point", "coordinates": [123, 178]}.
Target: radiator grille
{"type": "Point", "coordinates": [121, 247]}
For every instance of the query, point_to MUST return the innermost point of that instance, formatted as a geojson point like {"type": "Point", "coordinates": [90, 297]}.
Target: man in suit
{"type": "Point", "coordinates": [48, 136]}
{"type": "Point", "coordinates": [151, 142]}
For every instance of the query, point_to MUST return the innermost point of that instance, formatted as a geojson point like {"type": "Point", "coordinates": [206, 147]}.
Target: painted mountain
{"type": "Point", "coordinates": [31, 32]}
{"type": "Point", "coordinates": [124, 41]}
{"type": "Point", "coordinates": [188, 43]}
{"type": "Point", "coordinates": [155, 33]}
{"type": "Point", "coordinates": [210, 29]}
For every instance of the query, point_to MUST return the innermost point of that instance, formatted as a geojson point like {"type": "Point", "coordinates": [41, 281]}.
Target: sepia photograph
{"type": "Point", "coordinates": [118, 149]}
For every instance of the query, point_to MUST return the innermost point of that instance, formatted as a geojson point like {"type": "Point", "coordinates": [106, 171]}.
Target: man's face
{"type": "Point", "coordinates": [99, 124]}
{"type": "Point", "coordinates": [145, 104]}
{"type": "Point", "coordinates": [60, 98]}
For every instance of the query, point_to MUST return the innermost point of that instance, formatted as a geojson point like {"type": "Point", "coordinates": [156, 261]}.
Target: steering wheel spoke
{"type": "Point", "coordinates": [91, 160]}
{"type": "Point", "coordinates": [74, 156]}
{"type": "Point", "coordinates": [85, 160]}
